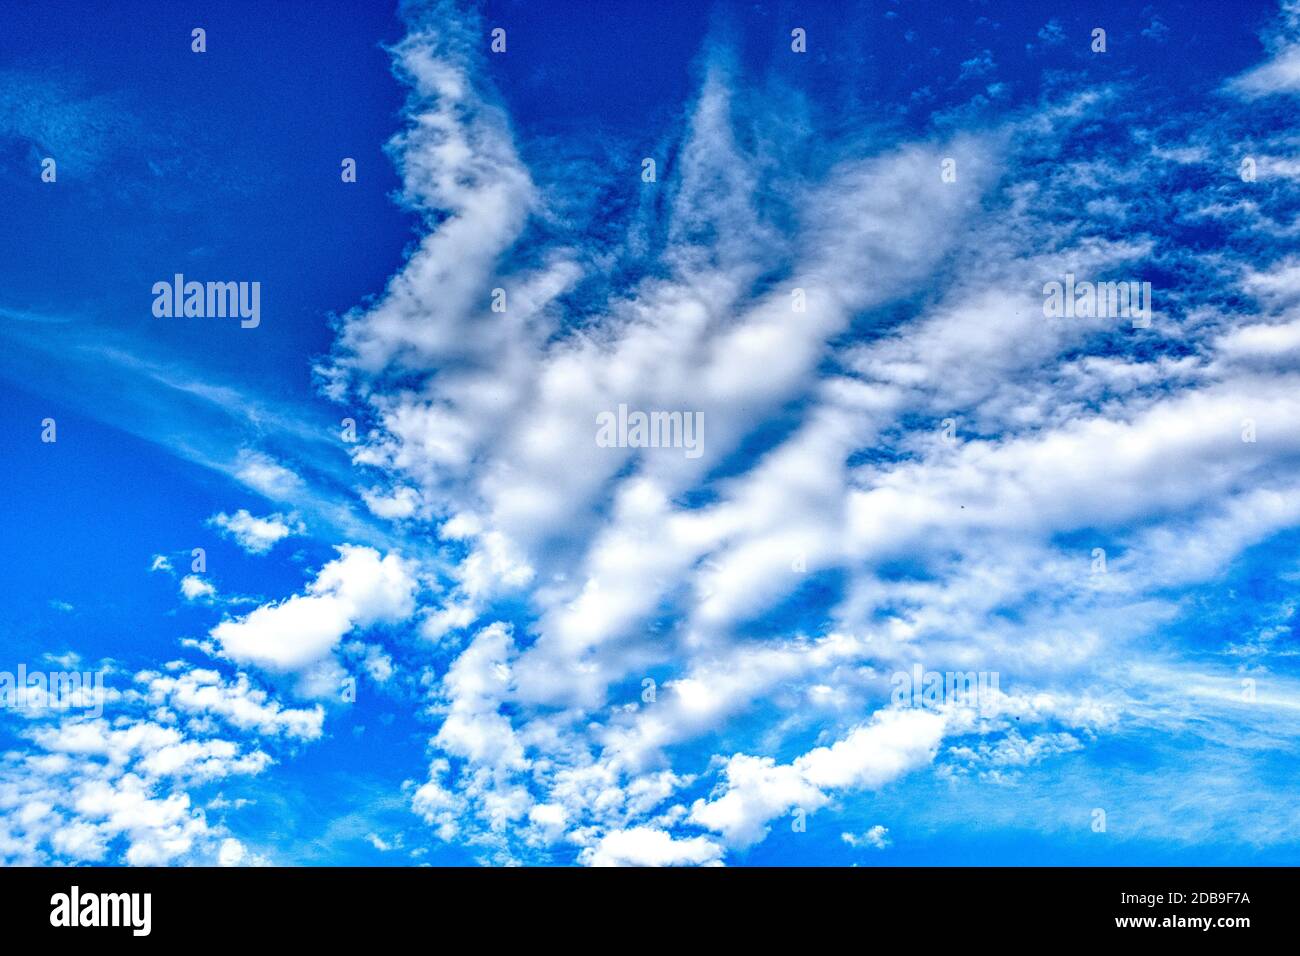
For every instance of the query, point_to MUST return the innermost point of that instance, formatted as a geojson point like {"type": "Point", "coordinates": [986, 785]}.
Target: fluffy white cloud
{"type": "Point", "coordinates": [266, 475]}
{"type": "Point", "coordinates": [92, 785]}
{"type": "Point", "coordinates": [234, 853]}
{"type": "Point", "coordinates": [87, 783]}
{"type": "Point", "coordinates": [203, 692]}
{"type": "Point", "coordinates": [195, 588]}
{"type": "Point", "coordinates": [758, 789]}
{"type": "Point", "coordinates": [355, 590]}
{"type": "Point", "coordinates": [257, 535]}
{"type": "Point", "coordinates": [1280, 74]}
{"type": "Point", "coordinates": [646, 846]}
{"type": "Point", "coordinates": [400, 503]}
{"type": "Point", "coordinates": [877, 837]}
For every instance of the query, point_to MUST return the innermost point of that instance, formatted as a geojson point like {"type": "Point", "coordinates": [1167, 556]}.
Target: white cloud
{"type": "Point", "coordinates": [202, 692]}
{"type": "Point", "coordinates": [877, 837]}
{"type": "Point", "coordinates": [266, 475]}
{"type": "Point", "coordinates": [87, 788]}
{"type": "Point", "coordinates": [402, 502]}
{"type": "Point", "coordinates": [475, 686]}
{"type": "Point", "coordinates": [257, 535]}
{"type": "Point", "coordinates": [1280, 74]}
{"type": "Point", "coordinates": [826, 471]}
{"type": "Point", "coordinates": [377, 664]}
{"type": "Point", "coordinates": [232, 852]}
{"type": "Point", "coordinates": [355, 590]}
{"type": "Point", "coordinates": [195, 588]}
{"type": "Point", "coordinates": [758, 789]}
{"type": "Point", "coordinates": [91, 785]}
{"type": "Point", "coordinates": [646, 846]}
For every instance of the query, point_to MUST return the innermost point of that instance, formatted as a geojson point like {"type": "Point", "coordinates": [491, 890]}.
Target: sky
{"type": "Point", "coordinates": [389, 573]}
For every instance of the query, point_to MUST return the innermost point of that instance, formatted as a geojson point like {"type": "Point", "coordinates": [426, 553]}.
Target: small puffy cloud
{"type": "Point", "coordinates": [80, 841]}
{"type": "Point", "coordinates": [549, 819]}
{"type": "Point", "coordinates": [649, 846]}
{"type": "Point", "coordinates": [232, 852]}
{"type": "Point", "coordinates": [400, 503]}
{"type": "Point", "coordinates": [1157, 30]}
{"type": "Point", "coordinates": [977, 66]}
{"type": "Point", "coordinates": [437, 805]}
{"type": "Point", "coordinates": [160, 563]}
{"type": "Point", "coordinates": [382, 845]}
{"type": "Point", "coordinates": [257, 535]}
{"type": "Point", "coordinates": [357, 589]}
{"type": "Point", "coordinates": [116, 789]}
{"type": "Point", "coordinates": [377, 664]}
{"type": "Point", "coordinates": [877, 836]}
{"type": "Point", "coordinates": [221, 802]}
{"type": "Point", "coordinates": [1052, 34]}
{"type": "Point", "coordinates": [195, 588]}
{"type": "Point", "coordinates": [265, 474]}
{"type": "Point", "coordinates": [154, 749]}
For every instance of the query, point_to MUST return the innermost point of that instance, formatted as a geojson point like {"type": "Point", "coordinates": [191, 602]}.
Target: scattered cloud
{"type": "Point", "coordinates": [257, 535]}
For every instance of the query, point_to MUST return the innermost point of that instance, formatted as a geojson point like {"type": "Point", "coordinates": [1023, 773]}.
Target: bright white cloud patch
{"type": "Point", "coordinates": [646, 846]}
{"type": "Point", "coordinates": [196, 589]}
{"type": "Point", "coordinates": [400, 503]}
{"type": "Point", "coordinates": [876, 837]}
{"type": "Point", "coordinates": [88, 782]}
{"type": "Point", "coordinates": [266, 475]}
{"type": "Point", "coordinates": [257, 535]}
{"type": "Point", "coordinates": [1280, 74]}
{"type": "Point", "coordinates": [355, 590]}
{"type": "Point", "coordinates": [239, 703]}
{"type": "Point", "coordinates": [757, 789]}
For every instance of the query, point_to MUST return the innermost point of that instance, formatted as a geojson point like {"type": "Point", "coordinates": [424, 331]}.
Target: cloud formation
{"type": "Point", "coordinates": [622, 654]}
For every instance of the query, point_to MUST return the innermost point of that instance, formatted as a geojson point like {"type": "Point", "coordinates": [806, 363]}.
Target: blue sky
{"type": "Point", "coordinates": [463, 630]}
